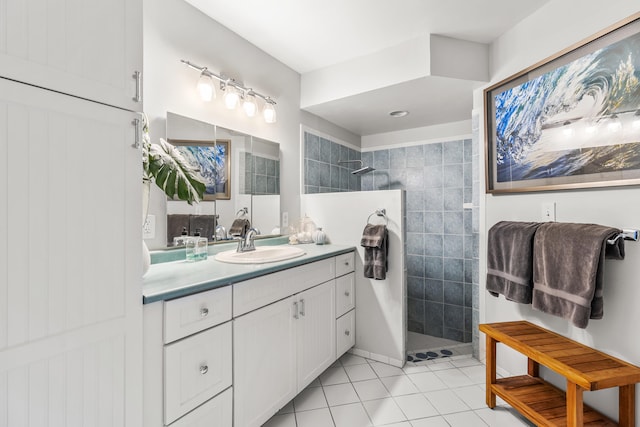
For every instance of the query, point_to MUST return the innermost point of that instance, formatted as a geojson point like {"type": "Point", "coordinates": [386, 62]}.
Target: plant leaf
{"type": "Point", "coordinates": [173, 174]}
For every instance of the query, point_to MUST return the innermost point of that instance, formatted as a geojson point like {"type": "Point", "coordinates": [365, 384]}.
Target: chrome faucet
{"type": "Point", "coordinates": [246, 244]}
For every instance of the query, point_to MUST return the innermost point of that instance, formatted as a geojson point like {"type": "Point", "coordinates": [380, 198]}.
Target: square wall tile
{"type": "Point", "coordinates": [415, 156]}
{"type": "Point", "coordinates": [381, 159]}
{"type": "Point", "coordinates": [432, 154]}
{"type": "Point", "coordinates": [433, 245]}
{"type": "Point", "coordinates": [452, 152]}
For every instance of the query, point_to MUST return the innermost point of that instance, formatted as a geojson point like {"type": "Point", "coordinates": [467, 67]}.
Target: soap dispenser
{"type": "Point", "coordinates": [202, 246]}
{"type": "Point", "coordinates": [181, 239]}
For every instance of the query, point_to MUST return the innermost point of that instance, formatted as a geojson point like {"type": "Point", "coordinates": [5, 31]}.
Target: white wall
{"type": "Point", "coordinates": [381, 316]}
{"type": "Point", "coordinates": [556, 26]}
{"type": "Point", "coordinates": [423, 135]}
{"type": "Point", "coordinates": [174, 30]}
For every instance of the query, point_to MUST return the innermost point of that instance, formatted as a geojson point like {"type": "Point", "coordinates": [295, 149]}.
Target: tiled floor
{"type": "Point", "coordinates": [358, 392]}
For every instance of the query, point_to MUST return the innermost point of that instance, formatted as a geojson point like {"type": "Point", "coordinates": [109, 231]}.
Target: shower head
{"type": "Point", "coordinates": [363, 169]}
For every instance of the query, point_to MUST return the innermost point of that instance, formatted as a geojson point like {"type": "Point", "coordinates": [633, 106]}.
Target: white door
{"type": "Point", "coordinates": [264, 361]}
{"type": "Point", "coordinates": [316, 348]}
{"type": "Point", "coordinates": [86, 48]}
{"type": "Point", "coordinates": [70, 288]}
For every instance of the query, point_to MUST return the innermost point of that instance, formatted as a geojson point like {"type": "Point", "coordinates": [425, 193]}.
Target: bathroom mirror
{"type": "Point", "coordinates": [246, 182]}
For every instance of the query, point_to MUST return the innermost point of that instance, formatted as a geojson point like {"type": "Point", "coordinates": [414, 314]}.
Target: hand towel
{"type": "Point", "coordinates": [375, 240]}
{"type": "Point", "coordinates": [568, 269]}
{"type": "Point", "coordinates": [509, 260]}
{"type": "Point", "coordinates": [239, 227]}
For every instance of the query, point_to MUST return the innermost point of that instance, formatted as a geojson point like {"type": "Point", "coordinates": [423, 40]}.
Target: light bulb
{"type": "Point", "coordinates": [614, 124]}
{"type": "Point", "coordinates": [567, 130]}
{"type": "Point", "coordinates": [269, 113]}
{"type": "Point", "coordinates": [249, 105]}
{"type": "Point", "coordinates": [205, 87]}
{"type": "Point", "coordinates": [231, 98]}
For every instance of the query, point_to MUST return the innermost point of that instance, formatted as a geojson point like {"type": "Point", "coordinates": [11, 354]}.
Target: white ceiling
{"type": "Point", "coordinates": [311, 35]}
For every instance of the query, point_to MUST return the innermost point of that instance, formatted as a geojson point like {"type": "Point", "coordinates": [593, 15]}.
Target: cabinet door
{"type": "Point", "coordinates": [70, 215]}
{"type": "Point", "coordinates": [264, 360]}
{"type": "Point", "coordinates": [196, 369]}
{"type": "Point", "coordinates": [86, 48]}
{"type": "Point", "coordinates": [316, 332]}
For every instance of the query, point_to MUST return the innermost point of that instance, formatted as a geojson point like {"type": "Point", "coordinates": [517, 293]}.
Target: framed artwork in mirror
{"type": "Point", "coordinates": [213, 160]}
{"type": "Point", "coordinates": [570, 121]}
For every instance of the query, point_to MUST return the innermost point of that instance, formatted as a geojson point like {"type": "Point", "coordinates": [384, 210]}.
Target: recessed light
{"type": "Point", "coordinates": [399, 113]}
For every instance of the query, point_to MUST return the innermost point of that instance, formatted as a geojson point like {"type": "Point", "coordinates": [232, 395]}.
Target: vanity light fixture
{"type": "Point", "coordinates": [250, 104]}
{"type": "Point", "coordinates": [231, 97]}
{"type": "Point", "coordinates": [233, 93]}
{"type": "Point", "coordinates": [205, 87]}
{"type": "Point", "coordinates": [268, 112]}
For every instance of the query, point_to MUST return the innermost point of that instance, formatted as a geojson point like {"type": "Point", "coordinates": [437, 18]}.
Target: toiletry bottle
{"type": "Point", "coordinates": [201, 246]}
{"type": "Point", "coordinates": [190, 244]}
{"type": "Point", "coordinates": [180, 240]}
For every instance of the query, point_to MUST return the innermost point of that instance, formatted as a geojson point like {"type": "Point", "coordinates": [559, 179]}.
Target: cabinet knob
{"type": "Point", "coordinates": [204, 369]}
{"type": "Point", "coordinates": [346, 293]}
{"type": "Point", "coordinates": [346, 332]}
{"type": "Point", "coordinates": [204, 312]}
{"type": "Point", "coordinates": [346, 263]}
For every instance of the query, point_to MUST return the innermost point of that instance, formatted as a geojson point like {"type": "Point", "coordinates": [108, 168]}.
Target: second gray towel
{"type": "Point", "coordinates": [568, 269]}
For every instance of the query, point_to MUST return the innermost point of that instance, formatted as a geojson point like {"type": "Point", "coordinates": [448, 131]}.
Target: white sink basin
{"type": "Point", "coordinates": [261, 255]}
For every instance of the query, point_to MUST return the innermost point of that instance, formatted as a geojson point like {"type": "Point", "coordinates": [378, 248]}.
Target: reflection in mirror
{"type": "Point", "coordinates": [246, 184]}
{"type": "Point", "coordinates": [264, 176]}
{"type": "Point", "coordinates": [193, 138]}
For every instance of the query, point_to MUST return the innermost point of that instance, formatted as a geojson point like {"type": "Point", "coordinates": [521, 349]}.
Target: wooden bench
{"type": "Point", "coordinates": [583, 367]}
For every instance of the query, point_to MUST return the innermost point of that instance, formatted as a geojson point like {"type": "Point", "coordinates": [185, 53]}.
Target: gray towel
{"type": "Point", "coordinates": [509, 260]}
{"type": "Point", "coordinates": [239, 227]}
{"type": "Point", "coordinates": [568, 269]}
{"type": "Point", "coordinates": [375, 240]}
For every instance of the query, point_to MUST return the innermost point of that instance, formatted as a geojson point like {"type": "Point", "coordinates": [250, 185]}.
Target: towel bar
{"type": "Point", "coordinates": [627, 234]}
{"type": "Point", "coordinates": [380, 212]}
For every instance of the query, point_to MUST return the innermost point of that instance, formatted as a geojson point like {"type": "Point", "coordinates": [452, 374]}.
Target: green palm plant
{"type": "Point", "coordinates": [165, 165]}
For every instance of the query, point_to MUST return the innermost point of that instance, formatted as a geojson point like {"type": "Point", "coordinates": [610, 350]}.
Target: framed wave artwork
{"type": "Point", "coordinates": [212, 159]}
{"type": "Point", "coordinates": [571, 121]}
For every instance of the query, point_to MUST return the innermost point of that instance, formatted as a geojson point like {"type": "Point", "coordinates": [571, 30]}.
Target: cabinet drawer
{"type": "Point", "coordinates": [196, 369]}
{"type": "Point", "coordinates": [188, 315]}
{"type": "Point", "coordinates": [345, 333]}
{"type": "Point", "coordinates": [345, 263]}
{"type": "Point", "coordinates": [345, 293]}
{"type": "Point", "coordinates": [261, 291]}
{"type": "Point", "coordinates": [215, 413]}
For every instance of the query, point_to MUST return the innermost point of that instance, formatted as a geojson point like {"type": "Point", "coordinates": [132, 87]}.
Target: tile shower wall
{"type": "Point", "coordinates": [441, 242]}
{"type": "Point", "coordinates": [259, 175]}
{"type": "Point", "coordinates": [322, 173]}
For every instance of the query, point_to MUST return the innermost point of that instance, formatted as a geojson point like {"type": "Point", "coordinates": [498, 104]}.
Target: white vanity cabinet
{"type": "Point", "coordinates": [205, 360]}
{"type": "Point", "coordinates": [89, 49]}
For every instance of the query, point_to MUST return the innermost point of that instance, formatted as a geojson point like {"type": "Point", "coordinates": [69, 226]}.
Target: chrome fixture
{"type": "Point", "coordinates": [363, 169]}
{"type": "Point", "coordinates": [235, 93]}
{"type": "Point", "coordinates": [246, 244]}
{"type": "Point", "coordinates": [399, 113]}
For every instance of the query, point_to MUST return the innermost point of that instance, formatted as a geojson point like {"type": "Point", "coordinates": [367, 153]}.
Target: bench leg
{"type": "Point", "coordinates": [627, 405]}
{"type": "Point", "coordinates": [533, 368]}
{"type": "Point", "coordinates": [491, 371]}
{"type": "Point", "coordinates": [575, 407]}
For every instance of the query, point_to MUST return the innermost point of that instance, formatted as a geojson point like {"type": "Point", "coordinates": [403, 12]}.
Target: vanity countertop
{"type": "Point", "coordinates": [176, 279]}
